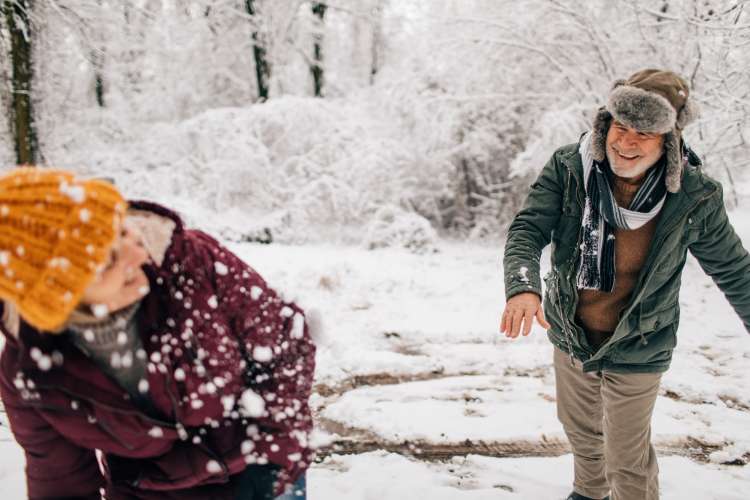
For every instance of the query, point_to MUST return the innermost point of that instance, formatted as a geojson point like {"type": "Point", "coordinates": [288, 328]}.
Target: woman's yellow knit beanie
{"type": "Point", "coordinates": [56, 232]}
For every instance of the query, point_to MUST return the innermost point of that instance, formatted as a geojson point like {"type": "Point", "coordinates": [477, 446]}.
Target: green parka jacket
{"type": "Point", "coordinates": [693, 219]}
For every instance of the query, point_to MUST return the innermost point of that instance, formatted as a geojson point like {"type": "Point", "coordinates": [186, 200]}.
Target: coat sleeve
{"type": "Point", "coordinates": [56, 469]}
{"type": "Point", "coordinates": [722, 256]}
{"type": "Point", "coordinates": [531, 231]}
{"type": "Point", "coordinates": [274, 337]}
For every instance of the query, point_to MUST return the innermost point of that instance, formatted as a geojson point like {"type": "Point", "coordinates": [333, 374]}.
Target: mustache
{"type": "Point", "coordinates": [623, 153]}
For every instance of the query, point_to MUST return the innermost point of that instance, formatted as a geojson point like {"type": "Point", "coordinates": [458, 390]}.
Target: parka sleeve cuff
{"type": "Point", "coordinates": [522, 280]}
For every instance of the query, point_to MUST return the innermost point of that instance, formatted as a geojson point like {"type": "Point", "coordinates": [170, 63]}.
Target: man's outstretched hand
{"type": "Point", "coordinates": [520, 311]}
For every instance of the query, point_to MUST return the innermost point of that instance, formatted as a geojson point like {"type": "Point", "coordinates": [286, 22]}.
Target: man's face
{"type": "Point", "coordinates": [630, 152]}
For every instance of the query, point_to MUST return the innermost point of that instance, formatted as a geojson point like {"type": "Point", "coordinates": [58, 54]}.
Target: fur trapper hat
{"type": "Point", "coordinates": [652, 101]}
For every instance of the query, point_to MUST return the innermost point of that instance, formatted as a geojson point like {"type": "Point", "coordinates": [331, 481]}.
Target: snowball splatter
{"type": "Point", "coordinates": [286, 312]}
{"type": "Point", "coordinates": [256, 292]}
{"type": "Point", "coordinates": [221, 268]}
{"type": "Point", "coordinates": [156, 432]}
{"type": "Point", "coordinates": [262, 354]}
{"type": "Point", "coordinates": [252, 404]}
{"type": "Point", "coordinates": [213, 302]}
{"type": "Point", "coordinates": [143, 386]}
{"type": "Point", "coordinates": [523, 273]}
{"type": "Point", "coordinates": [75, 193]}
{"type": "Point", "coordinates": [100, 310]}
{"type": "Point", "coordinates": [213, 467]}
{"type": "Point", "coordinates": [228, 403]}
{"type": "Point", "coordinates": [298, 326]}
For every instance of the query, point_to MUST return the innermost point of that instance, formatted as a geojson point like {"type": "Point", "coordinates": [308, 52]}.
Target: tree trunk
{"type": "Point", "coordinates": [99, 90]}
{"type": "Point", "coordinates": [97, 59]}
{"type": "Point", "coordinates": [262, 68]}
{"type": "Point", "coordinates": [377, 40]}
{"type": "Point", "coordinates": [17, 15]}
{"type": "Point", "coordinates": [319, 10]}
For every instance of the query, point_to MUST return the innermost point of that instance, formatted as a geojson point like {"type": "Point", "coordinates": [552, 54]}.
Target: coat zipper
{"type": "Point", "coordinates": [571, 265]}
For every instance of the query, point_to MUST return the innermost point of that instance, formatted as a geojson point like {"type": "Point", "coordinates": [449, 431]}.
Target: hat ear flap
{"type": "Point", "coordinates": [599, 130]}
{"type": "Point", "coordinates": [673, 154]}
{"type": "Point", "coordinates": [688, 114]}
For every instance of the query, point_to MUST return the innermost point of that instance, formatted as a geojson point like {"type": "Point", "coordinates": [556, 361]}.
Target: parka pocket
{"type": "Point", "coordinates": [651, 321]}
{"type": "Point", "coordinates": [652, 340]}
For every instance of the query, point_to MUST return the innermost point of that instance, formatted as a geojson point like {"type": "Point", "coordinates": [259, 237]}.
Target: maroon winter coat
{"type": "Point", "coordinates": [205, 316]}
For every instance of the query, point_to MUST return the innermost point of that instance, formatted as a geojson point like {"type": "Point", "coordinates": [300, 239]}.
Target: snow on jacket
{"type": "Point", "coordinates": [229, 375]}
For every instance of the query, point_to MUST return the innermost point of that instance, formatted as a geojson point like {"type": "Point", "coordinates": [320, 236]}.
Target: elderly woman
{"type": "Point", "coordinates": [142, 359]}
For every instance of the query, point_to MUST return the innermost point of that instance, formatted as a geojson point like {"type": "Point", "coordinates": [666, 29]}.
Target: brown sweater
{"type": "Point", "coordinates": [599, 312]}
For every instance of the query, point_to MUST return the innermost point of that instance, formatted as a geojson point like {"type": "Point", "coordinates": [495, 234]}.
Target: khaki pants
{"type": "Point", "coordinates": [607, 418]}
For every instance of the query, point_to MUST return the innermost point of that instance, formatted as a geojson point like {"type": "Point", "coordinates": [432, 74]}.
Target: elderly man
{"type": "Point", "coordinates": [622, 207]}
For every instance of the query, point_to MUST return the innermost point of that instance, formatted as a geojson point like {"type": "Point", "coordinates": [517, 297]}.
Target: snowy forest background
{"type": "Point", "coordinates": [431, 116]}
{"type": "Point", "coordinates": [383, 147]}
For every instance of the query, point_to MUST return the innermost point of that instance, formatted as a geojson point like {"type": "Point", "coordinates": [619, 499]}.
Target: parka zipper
{"type": "Point", "coordinates": [571, 266]}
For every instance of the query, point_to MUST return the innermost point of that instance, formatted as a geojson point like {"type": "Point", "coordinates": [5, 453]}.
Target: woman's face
{"type": "Point", "coordinates": [122, 281]}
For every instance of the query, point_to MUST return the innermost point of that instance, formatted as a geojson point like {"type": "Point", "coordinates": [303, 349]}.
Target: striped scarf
{"type": "Point", "coordinates": [602, 215]}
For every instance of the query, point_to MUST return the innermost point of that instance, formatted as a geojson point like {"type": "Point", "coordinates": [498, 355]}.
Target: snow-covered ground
{"type": "Point", "coordinates": [410, 361]}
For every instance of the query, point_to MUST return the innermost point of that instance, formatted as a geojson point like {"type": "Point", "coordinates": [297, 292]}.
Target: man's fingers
{"type": "Point", "coordinates": [508, 323]}
{"type": "Point", "coordinates": [528, 319]}
{"type": "Point", "coordinates": [517, 318]}
{"type": "Point", "coordinates": [541, 319]}
{"type": "Point", "coordinates": [504, 322]}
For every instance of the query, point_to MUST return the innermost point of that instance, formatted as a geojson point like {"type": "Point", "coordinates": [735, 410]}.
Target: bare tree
{"type": "Point", "coordinates": [262, 67]}
{"type": "Point", "coordinates": [319, 10]}
{"type": "Point", "coordinates": [18, 18]}
{"type": "Point", "coordinates": [377, 39]}
{"type": "Point", "coordinates": [97, 60]}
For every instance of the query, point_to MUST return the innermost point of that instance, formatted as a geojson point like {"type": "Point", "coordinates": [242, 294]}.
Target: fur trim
{"type": "Point", "coordinates": [673, 154]}
{"type": "Point", "coordinates": [642, 110]}
{"type": "Point", "coordinates": [688, 114]}
{"type": "Point", "coordinates": [156, 230]}
{"type": "Point", "coordinates": [599, 130]}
